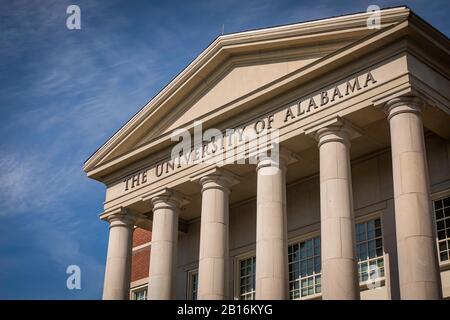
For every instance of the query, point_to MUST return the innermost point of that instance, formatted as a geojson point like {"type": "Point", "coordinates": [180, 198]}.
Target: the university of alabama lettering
{"type": "Point", "coordinates": [230, 140]}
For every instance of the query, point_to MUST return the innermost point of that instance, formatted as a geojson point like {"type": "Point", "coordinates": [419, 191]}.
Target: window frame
{"type": "Point", "coordinates": [443, 265]}
{"type": "Point", "coordinates": [237, 272]}
{"type": "Point", "coordinates": [189, 286]}
{"type": "Point", "coordinates": [297, 240]}
{"type": "Point", "coordinates": [136, 289]}
{"type": "Point", "coordinates": [381, 281]}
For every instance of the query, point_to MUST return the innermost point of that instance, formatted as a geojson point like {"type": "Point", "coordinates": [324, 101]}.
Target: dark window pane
{"type": "Point", "coordinates": [379, 243]}
{"type": "Point", "coordinates": [291, 286]}
{"type": "Point", "coordinates": [358, 236]}
{"type": "Point", "coordinates": [302, 252]}
{"type": "Point", "coordinates": [440, 225]}
{"type": "Point", "coordinates": [362, 252]}
{"type": "Point", "coordinates": [447, 202]}
{"type": "Point", "coordinates": [310, 267]}
{"type": "Point", "coordinates": [438, 204]}
{"type": "Point", "coordinates": [378, 233]}
{"type": "Point", "coordinates": [444, 256]}
{"type": "Point", "coordinates": [379, 252]}
{"type": "Point", "coordinates": [439, 214]}
{"type": "Point", "coordinates": [378, 223]}
{"type": "Point", "coordinates": [370, 225]}
{"type": "Point", "coordinates": [317, 242]}
{"type": "Point", "coordinates": [441, 234]}
{"type": "Point", "coordinates": [317, 265]}
{"type": "Point", "coordinates": [303, 269]}
{"type": "Point", "coordinates": [447, 212]}
{"type": "Point", "coordinates": [360, 228]}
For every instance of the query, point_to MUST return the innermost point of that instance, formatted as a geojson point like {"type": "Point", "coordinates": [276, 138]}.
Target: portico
{"type": "Point", "coordinates": [319, 181]}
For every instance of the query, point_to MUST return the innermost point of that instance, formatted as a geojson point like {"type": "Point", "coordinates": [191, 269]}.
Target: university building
{"type": "Point", "coordinates": [347, 198]}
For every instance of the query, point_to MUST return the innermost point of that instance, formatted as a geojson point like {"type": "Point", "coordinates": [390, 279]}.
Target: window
{"type": "Point", "coordinates": [140, 294]}
{"type": "Point", "coordinates": [442, 215]}
{"type": "Point", "coordinates": [192, 284]}
{"type": "Point", "coordinates": [369, 250]}
{"type": "Point", "coordinates": [304, 268]}
{"type": "Point", "coordinates": [247, 269]}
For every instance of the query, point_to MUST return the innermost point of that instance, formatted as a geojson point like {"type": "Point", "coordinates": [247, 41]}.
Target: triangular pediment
{"type": "Point", "coordinates": [233, 68]}
{"type": "Point", "coordinates": [237, 77]}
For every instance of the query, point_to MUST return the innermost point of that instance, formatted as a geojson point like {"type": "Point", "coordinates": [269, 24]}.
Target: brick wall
{"type": "Point", "coordinates": [140, 260]}
{"type": "Point", "coordinates": [140, 264]}
{"type": "Point", "coordinates": [141, 236]}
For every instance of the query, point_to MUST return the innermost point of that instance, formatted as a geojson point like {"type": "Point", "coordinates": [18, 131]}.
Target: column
{"type": "Point", "coordinates": [118, 260]}
{"type": "Point", "coordinates": [161, 284]}
{"type": "Point", "coordinates": [339, 266]}
{"type": "Point", "coordinates": [416, 243]}
{"type": "Point", "coordinates": [272, 275]}
{"type": "Point", "coordinates": [213, 256]}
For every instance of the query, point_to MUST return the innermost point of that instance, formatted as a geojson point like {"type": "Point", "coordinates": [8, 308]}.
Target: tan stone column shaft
{"type": "Point", "coordinates": [416, 244]}
{"type": "Point", "coordinates": [161, 284]}
{"type": "Point", "coordinates": [272, 275]}
{"type": "Point", "coordinates": [213, 256]}
{"type": "Point", "coordinates": [339, 266]}
{"type": "Point", "coordinates": [118, 261]}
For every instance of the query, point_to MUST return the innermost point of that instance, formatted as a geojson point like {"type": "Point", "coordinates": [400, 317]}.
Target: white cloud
{"type": "Point", "coordinates": [31, 182]}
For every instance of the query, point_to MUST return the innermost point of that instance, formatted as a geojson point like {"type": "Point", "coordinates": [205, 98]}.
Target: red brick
{"type": "Point", "coordinates": [140, 262]}
{"type": "Point", "coordinates": [141, 236]}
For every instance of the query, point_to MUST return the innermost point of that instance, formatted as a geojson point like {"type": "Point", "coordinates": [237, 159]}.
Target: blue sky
{"type": "Point", "coordinates": [65, 92]}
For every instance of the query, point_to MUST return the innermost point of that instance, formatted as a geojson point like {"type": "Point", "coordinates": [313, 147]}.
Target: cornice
{"type": "Point", "coordinates": [226, 45]}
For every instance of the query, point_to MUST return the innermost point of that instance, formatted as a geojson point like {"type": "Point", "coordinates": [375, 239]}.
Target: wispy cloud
{"type": "Point", "coordinates": [31, 182]}
{"type": "Point", "coordinates": [68, 96]}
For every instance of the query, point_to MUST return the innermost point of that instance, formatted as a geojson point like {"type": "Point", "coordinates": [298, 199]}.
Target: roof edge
{"type": "Point", "coordinates": [395, 14]}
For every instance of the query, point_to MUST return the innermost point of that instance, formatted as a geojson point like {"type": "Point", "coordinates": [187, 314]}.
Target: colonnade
{"type": "Point", "coordinates": [417, 257]}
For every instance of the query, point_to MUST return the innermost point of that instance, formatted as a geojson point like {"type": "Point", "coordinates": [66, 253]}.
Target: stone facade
{"type": "Point", "coordinates": [346, 199]}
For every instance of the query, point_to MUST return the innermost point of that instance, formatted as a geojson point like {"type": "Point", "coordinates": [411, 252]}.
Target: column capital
{"type": "Point", "coordinates": [166, 199]}
{"type": "Point", "coordinates": [216, 178]}
{"type": "Point", "coordinates": [280, 157]}
{"type": "Point", "coordinates": [121, 217]}
{"type": "Point", "coordinates": [336, 129]}
{"type": "Point", "coordinates": [404, 104]}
